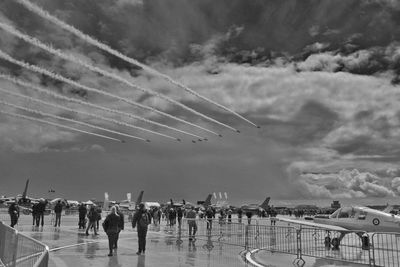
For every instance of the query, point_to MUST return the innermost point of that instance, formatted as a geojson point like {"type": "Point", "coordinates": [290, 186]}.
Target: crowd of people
{"type": "Point", "coordinates": [90, 216]}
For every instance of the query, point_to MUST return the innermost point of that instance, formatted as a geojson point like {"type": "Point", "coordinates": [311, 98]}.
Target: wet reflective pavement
{"type": "Point", "coordinates": [69, 246]}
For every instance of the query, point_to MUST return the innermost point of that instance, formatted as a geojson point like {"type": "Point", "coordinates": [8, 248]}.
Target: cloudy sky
{"type": "Point", "coordinates": [321, 79]}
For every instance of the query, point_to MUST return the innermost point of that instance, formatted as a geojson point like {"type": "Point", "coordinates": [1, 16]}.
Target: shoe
{"type": "Point", "coordinates": [96, 234]}
{"type": "Point", "coordinates": [86, 233]}
{"type": "Point", "coordinates": [138, 253]}
{"type": "Point", "coordinates": [143, 252]}
{"type": "Point", "coordinates": [109, 254]}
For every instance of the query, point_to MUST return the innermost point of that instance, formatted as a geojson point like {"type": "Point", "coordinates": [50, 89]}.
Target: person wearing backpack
{"type": "Point", "coordinates": [92, 216]}
{"type": "Point", "coordinates": [141, 219]}
{"type": "Point", "coordinates": [111, 227]}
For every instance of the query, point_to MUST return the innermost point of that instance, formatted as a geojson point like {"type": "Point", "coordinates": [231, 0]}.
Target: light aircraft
{"type": "Point", "coordinates": [254, 208]}
{"type": "Point", "coordinates": [358, 219]}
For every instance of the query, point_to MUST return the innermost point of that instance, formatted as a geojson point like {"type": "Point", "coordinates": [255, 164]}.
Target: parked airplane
{"type": "Point", "coordinates": [254, 208]}
{"type": "Point", "coordinates": [357, 219]}
{"type": "Point", "coordinates": [22, 199]}
{"type": "Point", "coordinates": [126, 204]}
{"type": "Point", "coordinates": [204, 204]}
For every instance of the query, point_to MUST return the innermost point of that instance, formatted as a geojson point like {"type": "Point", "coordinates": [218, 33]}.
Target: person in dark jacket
{"type": "Point", "coordinates": [13, 210]}
{"type": "Point", "coordinates": [249, 214]}
{"type": "Point", "coordinates": [141, 219]}
{"type": "Point", "coordinates": [121, 224]}
{"type": "Point", "coordinates": [111, 227]}
{"type": "Point", "coordinates": [92, 216]}
{"type": "Point", "coordinates": [34, 213]}
{"type": "Point", "coordinates": [82, 216]}
{"type": "Point", "coordinates": [40, 209]}
{"type": "Point", "coordinates": [57, 211]}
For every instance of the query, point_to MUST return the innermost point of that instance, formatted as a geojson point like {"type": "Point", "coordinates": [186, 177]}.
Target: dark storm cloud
{"type": "Point", "coordinates": [287, 65]}
{"type": "Point", "coordinates": [311, 123]}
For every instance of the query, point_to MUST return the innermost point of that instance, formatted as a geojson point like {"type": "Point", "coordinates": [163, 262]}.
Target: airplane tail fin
{"type": "Point", "coordinates": [26, 189]}
{"type": "Point", "coordinates": [140, 198]}
{"type": "Point", "coordinates": [265, 205]}
{"type": "Point", "coordinates": [207, 202]}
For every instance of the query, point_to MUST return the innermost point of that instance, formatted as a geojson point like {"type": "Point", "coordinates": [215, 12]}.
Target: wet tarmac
{"type": "Point", "coordinates": [70, 247]}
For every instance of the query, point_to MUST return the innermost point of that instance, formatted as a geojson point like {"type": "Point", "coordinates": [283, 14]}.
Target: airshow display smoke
{"type": "Point", "coordinates": [85, 113]}
{"type": "Point", "coordinates": [58, 77]}
{"type": "Point", "coordinates": [78, 101]}
{"type": "Point", "coordinates": [44, 14]}
{"type": "Point", "coordinates": [58, 125]}
{"type": "Point", "coordinates": [103, 72]}
{"type": "Point", "coordinates": [71, 120]}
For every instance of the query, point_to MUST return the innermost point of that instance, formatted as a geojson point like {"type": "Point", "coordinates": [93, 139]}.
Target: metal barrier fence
{"type": "Point", "coordinates": [385, 250]}
{"type": "Point", "coordinates": [379, 249]}
{"type": "Point", "coordinates": [19, 250]}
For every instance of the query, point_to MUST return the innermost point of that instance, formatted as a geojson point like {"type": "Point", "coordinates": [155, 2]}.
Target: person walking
{"type": "Point", "coordinates": [82, 216]}
{"type": "Point", "coordinates": [57, 211]}
{"type": "Point", "coordinates": [240, 214]}
{"type": "Point", "coordinates": [249, 214]}
{"type": "Point", "coordinates": [92, 216]}
{"type": "Point", "coordinates": [34, 213]}
{"type": "Point", "coordinates": [121, 224]}
{"type": "Point", "coordinates": [40, 209]}
{"type": "Point", "coordinates": [111, 227]}
{"type": "Point", "coordinates": [209, 216]}
{"type": "Point", "coordinates": [141, 219]}
{"type": "Point", "coordinates": [179, 213]}
{"type": "Point", "coordinates": [191, 217]}
{"type": "Point", "coordinates": [13, 210]}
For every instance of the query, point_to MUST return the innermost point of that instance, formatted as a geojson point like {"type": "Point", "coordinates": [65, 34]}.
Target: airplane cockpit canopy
{"type": "Point", "coordinates": [349, 212]}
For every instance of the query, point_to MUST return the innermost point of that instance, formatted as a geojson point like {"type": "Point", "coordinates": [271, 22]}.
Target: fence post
{"type": "Point", "coordinates": [15, 249]}
{"type": "Point", "coordinates": [246, 237]}
{"type": "Point", "coordinates": [299, 248]}
{"type": "Point", "coordinates": [2, 241]}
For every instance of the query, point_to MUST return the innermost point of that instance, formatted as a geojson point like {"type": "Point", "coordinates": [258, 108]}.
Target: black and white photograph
{"type": "Point", "coordinates": [190, 133]}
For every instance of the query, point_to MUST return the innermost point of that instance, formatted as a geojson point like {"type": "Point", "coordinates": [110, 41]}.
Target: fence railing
{"type": "Point", "coordinates": [378, 249]}
{"type": "Point", "coordinates": [17, 249]}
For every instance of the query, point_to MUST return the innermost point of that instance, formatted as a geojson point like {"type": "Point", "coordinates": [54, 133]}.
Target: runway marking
{"type": "Point", "coordinates": [85, 243]}
{"type": "Point", "coordinates": [251, 260]}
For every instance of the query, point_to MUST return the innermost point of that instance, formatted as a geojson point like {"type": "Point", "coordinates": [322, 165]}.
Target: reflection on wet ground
{"type": "Point", "coordinates": [69, 246]}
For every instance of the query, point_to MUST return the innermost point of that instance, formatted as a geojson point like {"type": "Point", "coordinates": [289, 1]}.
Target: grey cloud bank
{"type": "Point", "coordinates": [319, 77]}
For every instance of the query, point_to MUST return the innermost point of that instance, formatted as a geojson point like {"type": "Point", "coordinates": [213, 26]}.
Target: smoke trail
{"type": "Point", "coordinates": [70, 99]}
{"type": "Point", "coordinates": [71, 120]}
{"type": "Point", "coordinates": [84, 87]}
{"type": "Point", "coordinates": [59, 125]}
{"type": "Point", "coordinates": [93, 68]}
{"type": "Point", "coordinates": [44, 14]}
{"type": "Point", "coordinates": [85, 113]}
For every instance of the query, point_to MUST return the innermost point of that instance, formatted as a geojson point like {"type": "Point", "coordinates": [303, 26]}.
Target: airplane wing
{"type": "Point", "coordinates": [313, 224]}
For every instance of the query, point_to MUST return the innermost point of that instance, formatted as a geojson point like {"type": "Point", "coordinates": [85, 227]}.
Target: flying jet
{"type": "Point", "coordinates": [357, 218]}
{"type": "Point", "coordinates": [254, 208]}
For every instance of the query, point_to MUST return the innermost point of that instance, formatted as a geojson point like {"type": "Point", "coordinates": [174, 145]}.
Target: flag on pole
{"type": "Point", "coordinates": [220, 195]}
{"type": "Point", "coordinates": [215, 195]}
{"type": "Point", "coordinates": [226, 195]}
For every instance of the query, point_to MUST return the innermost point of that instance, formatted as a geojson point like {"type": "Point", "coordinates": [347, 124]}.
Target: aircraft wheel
{"type": "Point", "coordinates": [376, 221]}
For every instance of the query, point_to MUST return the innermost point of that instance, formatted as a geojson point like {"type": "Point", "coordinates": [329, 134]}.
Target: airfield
{"type": "Point", "coordinates": [71, 247]}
